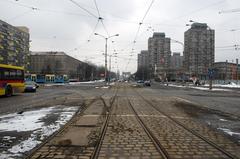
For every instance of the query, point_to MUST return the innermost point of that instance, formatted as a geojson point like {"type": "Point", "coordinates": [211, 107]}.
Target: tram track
{"type": "Point", "coordinates": [70, 123]}
{"type": "Point", "coordinates": [213, 144]}
{"type": "Point", "coordinates": [155, 141]}
{"type": "Point", "coordinates": [105, 125]}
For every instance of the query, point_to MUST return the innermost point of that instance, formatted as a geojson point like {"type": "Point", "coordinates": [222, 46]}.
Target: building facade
{"type": "Point", "coordinates": [176, 67]}
{"type": "Point", "coordinates": [226, 71]}
{"type": "Point", "coordinates": [143, 59]}
{"type": "Point", "coordinates": [58, 63]}
{"type": "Point", "coordinates": [159, 49]}
{"type": "Point", "coordinates": [143, 71]}
{"type": "Point", "coordinates": [176, 61]}
{"type": "Point", "coordinates": [199, 43]}
{"type": "Point", "coordinates": [14, 45]}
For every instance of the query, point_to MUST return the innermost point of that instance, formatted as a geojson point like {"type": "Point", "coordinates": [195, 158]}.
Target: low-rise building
{"type": "Point", "coordinates": [58, 63]}
{"type": "Point", "coordinates": [226, 71]}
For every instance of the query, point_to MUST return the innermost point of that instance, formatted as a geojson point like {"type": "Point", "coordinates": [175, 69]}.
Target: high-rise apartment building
{"type": "Point", "coordinates": [143, 59]}
{"type": "Point", "coordinates": [176, 61]}
{"type": "Point", "coordinates": [199, 50]}
{"type": "Point", "coordinates": [14, 45]}
{"type": "Point", "coordinates": [159, 54]}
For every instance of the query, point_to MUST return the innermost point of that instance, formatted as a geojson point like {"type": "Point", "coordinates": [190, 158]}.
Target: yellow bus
{"type": "Point", "coordinates": [11, 80]}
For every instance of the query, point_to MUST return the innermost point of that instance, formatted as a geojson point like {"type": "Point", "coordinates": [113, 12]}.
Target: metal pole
{"type": "Point", "coordinates": [106, 77]}
{"type": "Point", "coordinates": [226, 70]}
{"type": "Point", "coordinates": [237, 70]}
{"type": "Point", "coordinates": [210, 82]}
{"type": "Point", "coordinates": [109, 76]}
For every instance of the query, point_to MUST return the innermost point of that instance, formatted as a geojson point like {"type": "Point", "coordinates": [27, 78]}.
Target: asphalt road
{"type": "Point", "coordinates": [49, 95]}
{"type": "Point", "coordinates": [224, 101]}
{"type": "Point", "coordinates": [218, 110]}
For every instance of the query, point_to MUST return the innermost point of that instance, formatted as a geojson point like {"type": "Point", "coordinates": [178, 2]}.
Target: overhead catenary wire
{"type": "Point", "coordinates": [115, 17]}
{"type": "Point", "coordinates": [147, 11]}
{"type": "Point", "coordinates": [230, 11]}
{"type": "Point", "coordinates": [198, 10]}
{"type": "Point", "coordinates": [100, 18]}
{"type": "Point", "coordinates": [20, 15]}
{"type": "Point", "coordinates": [77, 4]}
{"type": "Point", "coordinates": [94, 29]}
{"type": "Point", "coordinates": [136, 35]}
{"type": "Point", "coordinates": [95, 2]}
{"type": "Point", "coordinates": [104, 27]}
{"type": "Point", "coordinates": [89, 38]}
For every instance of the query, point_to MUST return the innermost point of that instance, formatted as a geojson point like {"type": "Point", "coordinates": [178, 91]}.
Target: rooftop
{"type": "Point", "coordinates": [48, 53]}
{"type": "Point", "coordinates": [159, 34]}
{"type": "Point", "coordinates": [199, 26]}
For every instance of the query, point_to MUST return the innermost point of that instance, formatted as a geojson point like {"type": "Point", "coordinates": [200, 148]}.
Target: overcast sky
{"type": "Point", "coordinates": [61, 25]}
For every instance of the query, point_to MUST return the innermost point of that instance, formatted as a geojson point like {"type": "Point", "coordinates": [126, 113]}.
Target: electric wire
{"type": "Point", "coordinates": [94, 29]}
{"type": "Point", "coordinates": [100, 18]}
{"type": "Point", "coordinates": [95, 2]}
{"type": "Point", "coordinates": [104, 27]}
{"type": "Point", "coordinates": [147, 11]}
{"type": "Point", "coordinates": [89, 38]}
{"type": "Point", "coordinates": [197, 10]}
{"type": "Point", "coordinates": [47, 10]}
{"type": "Point", "coordinates": [136, 35]}
{"type": "Point", "coordinates": [20, 15]}
{"type": "Point", "coordinates": [77, 4]}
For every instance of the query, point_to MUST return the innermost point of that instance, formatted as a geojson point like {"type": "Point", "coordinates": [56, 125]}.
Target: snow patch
{"type": "Point", "coordinates": [27, 121]}
{"type": "Point", "coordinates": [87, 82]}
{"type": "Point", "coordinates": [105, 87]}
{"type": "Point", "coordinates": [32, 121]}
{"type": "Point", "coordinates": [200, 88]}
{"type": "Point", "coordinates": [228, 131]}
{"type": "Point", "coordinates": [222, 119]}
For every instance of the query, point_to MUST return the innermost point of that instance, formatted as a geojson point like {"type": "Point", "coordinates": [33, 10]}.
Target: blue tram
{"type": "Point", "coordinates": [47, 78]}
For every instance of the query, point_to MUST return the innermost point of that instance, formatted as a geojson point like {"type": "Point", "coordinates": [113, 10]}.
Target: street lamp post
{"type": "Point", "coordinates": [106, 40]}
{"type": "Point", "coordinates": [110, 65]}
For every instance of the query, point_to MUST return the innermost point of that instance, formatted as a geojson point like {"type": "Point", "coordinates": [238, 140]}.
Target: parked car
{"type": "Point", "coordinates": [147, 83]}
{"type": "Point", "coordinates": [31, 86]}
{"type": "Point", "coordinates": [140, 81]}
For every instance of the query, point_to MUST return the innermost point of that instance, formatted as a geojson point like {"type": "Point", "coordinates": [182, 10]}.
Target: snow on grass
{"type": "Point", "coordinates": [33, 121]}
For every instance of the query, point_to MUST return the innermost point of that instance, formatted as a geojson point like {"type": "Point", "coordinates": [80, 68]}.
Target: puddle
{"type": "Point", "coordinates": [19, 133]}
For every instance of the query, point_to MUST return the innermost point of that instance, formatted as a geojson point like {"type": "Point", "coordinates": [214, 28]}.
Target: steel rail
{"type": "Point", "coordinates": [190, 130]}
{"type": "Point", "coordinates": [155, 141]}
{"type": "Point", "coordinates": [80, 111]}
{"type": "Point", "coordinates": [104, 127]}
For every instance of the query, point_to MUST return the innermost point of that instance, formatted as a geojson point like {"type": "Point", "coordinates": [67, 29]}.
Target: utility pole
{"type": "Point", "coordinates": [237, 70]}
{"type": "Point", "coordinates": [106, 77]}
{"type": "Point", "coordinates": [226, 65]}
{"type": "Point", "coordinates": [110, 57]}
